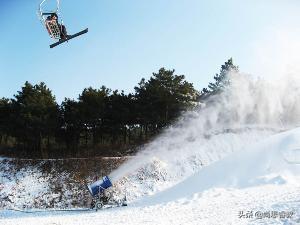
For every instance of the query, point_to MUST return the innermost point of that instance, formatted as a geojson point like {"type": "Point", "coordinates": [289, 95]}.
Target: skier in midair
{"type": "Point", "coordinates": [53, 18]}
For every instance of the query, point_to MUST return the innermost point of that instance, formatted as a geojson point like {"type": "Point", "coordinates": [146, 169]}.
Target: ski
{"type": "Point", "coordinates": [69, 38]}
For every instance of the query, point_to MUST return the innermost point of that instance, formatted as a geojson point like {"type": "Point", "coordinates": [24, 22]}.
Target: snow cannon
{"type": "Point", "coordinates": [99, 186]}
{"type": "Point", "coordinates": [102, 198]}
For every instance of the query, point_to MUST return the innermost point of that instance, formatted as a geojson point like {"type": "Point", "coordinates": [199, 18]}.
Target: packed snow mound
{"type": "Point", "coordinates": [259, 164]}
{"type": "Point", "coordinates": [162, 172]}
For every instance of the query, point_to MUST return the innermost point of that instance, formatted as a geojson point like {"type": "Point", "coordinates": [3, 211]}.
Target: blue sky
{"type": "Point", "coordinates": [130, 39]}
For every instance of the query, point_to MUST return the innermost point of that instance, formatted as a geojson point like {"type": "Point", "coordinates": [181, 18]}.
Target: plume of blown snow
{"type": "Point", "coordinates": [246, 112]}
{"type": "Point", "coordinates": [247, 104]}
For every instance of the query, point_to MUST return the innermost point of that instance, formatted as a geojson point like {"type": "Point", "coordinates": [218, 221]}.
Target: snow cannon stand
{"type": "Point", "coordinates": [102, 197]}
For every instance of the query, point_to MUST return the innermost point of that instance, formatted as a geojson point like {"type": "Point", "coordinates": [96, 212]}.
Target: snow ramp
{"type": "Point", "coordinates": [259, 164]}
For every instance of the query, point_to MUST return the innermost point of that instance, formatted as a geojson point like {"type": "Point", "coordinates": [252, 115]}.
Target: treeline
{"type": "Point", "coordinates": [100, 122]}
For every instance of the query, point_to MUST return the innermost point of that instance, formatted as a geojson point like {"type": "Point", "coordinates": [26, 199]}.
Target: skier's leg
{"type": "Point", "coordinates": [63, 34]}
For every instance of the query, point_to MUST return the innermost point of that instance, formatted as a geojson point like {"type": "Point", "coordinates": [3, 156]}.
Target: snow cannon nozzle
{"type": "Point", "coordinates": [99, 186]}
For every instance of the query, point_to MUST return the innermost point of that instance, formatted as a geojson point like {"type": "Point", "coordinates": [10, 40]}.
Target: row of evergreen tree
{"type": "Point", "coordinates": [100, 121]}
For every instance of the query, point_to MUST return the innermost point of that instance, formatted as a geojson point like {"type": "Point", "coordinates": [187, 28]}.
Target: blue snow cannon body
{"type": "Point", "coordinates": [99, 186]}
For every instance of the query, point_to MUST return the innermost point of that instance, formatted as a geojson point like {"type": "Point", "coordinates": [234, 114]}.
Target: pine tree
{"type": "Point", "coordinates": [35, 115]}
{"type": "Point", "coordinates": [163, 98]}
{"type": "Point", "coordinates": [222, 80]}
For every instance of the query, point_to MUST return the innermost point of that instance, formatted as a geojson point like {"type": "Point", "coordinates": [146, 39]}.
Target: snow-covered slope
{"type": "Point", "coordinates": [164, 171]}
{"type": "Point", "coordinates": [40, 184]}
{"type": "Point", "coordinates": [259, 164]}
{"type": "Point", "coordinates": [257, 180]}
{"type": "Point", "coordinates": [61, 184]}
